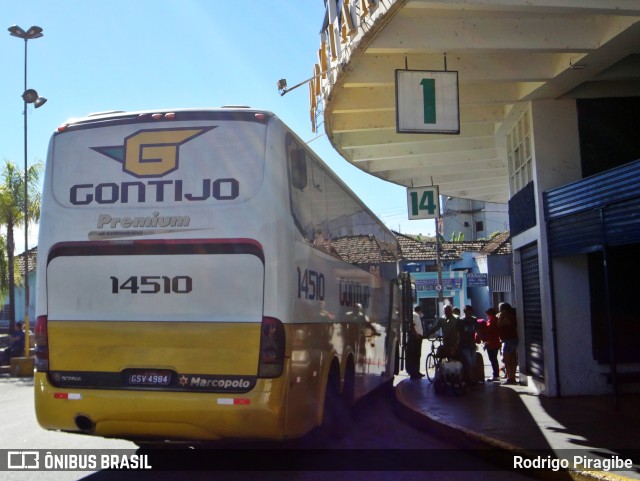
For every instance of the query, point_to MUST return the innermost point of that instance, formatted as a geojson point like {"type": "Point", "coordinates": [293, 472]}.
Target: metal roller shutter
{"type": "Point", "coordinates": [532, 312]}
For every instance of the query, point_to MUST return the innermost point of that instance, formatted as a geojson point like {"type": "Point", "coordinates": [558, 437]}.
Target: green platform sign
{"type": "Point", "coordinates": [423, 202]}
{"type": "Point", "coordinates": [427, 102]}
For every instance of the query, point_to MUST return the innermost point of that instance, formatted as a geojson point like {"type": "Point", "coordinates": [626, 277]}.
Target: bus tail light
{"type": "Point", "coordinates": [42, 344]}
{"type": "Point", "coordinates": [272, 340]}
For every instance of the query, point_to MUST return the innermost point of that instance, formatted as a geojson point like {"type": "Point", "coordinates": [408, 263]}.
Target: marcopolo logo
{"type": "Point", "coordinates": [202, 382]}
{"type": "Point", "coordinates": [151, 153]}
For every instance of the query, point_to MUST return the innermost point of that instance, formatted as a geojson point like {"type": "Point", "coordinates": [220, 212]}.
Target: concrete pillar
{"type": "Point", "coordinates": [556, 161]}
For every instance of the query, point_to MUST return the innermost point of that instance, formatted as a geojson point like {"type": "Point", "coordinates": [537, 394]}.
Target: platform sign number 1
{"type": "Point", "coordinates": [427, 102]}
{"type": "Point", "coordinates": [423, 202]}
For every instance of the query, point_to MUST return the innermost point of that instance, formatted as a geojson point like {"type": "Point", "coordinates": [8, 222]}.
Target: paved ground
{"type": "Point", "coordinates": [515, 421]}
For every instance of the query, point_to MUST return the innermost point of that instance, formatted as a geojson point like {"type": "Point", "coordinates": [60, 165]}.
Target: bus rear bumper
{"type": "Point", "coordinates": [162, 416]}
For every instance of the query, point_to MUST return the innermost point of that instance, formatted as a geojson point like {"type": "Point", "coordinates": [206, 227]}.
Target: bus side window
{"type": "Point", "coordinates": [298, 169]}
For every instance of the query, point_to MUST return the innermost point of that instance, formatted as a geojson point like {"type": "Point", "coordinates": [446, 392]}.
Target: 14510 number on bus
{"type": "Point", "coordinates": [152, 285]}
{"type": "Point", "coordinates": [310, 285]}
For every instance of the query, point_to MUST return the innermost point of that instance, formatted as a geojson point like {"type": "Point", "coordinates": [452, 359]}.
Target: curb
{"type": "Point", "coordinates": [492, 449]}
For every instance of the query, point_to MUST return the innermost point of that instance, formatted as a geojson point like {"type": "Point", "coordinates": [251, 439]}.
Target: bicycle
{"type": "Point", "coordinates": [433, 361]}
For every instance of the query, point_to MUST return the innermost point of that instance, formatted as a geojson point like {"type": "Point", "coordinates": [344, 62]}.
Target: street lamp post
{"type": "Point", "coordinates": [29, 96]}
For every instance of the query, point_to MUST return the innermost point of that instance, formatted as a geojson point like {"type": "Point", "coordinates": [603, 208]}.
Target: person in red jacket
{"type": "Point", "coordinates": [489, 335]}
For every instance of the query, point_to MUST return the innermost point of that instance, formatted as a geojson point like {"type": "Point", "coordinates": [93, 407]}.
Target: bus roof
{"type": "Point", "coordinates": [114, 117]}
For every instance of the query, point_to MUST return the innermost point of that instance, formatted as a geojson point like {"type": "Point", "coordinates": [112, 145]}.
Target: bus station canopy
{"type": "Point", "coordinates": [506, 53]}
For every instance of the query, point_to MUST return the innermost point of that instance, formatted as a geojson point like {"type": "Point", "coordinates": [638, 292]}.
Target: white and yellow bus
{"type": "Point", "coordinates": [202, 275]}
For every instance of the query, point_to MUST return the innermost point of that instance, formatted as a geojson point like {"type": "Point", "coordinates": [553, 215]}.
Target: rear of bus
{"type": "Point", "coordinates": [150, 318]}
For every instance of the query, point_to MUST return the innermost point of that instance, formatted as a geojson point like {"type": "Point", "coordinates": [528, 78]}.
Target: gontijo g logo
{"type": "Point", "coordinates": [151, 153]}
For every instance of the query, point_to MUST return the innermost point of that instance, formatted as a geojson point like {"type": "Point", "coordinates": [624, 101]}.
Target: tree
{"type": "Point", "coordinates": [4, 274]}
{"type": "Point", "coordinates": [12, 215]}
{"type": "Point", "coordinates": [4, 270]}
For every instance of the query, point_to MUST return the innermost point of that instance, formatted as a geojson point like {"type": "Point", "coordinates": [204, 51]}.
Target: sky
{"type": "Point", "coordinates": [166, 54]}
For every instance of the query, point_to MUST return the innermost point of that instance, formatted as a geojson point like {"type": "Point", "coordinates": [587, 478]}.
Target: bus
{"type": "Point", "coordinates": [204, 276]}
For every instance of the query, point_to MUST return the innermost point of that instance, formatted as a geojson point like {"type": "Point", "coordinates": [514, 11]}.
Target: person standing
{"type": "Point", "coordinates": [16, 348]}
{"type": "Point", "coordinates": [490, 336]}
{"type": "Point", "coordinates": [450, 335]}
{"type": "Point", "coordinates": [508, 330]}
{"type": "Point", "coordinates": [414, 345]}
{"type": "Point", "coordinates": [467, 327]}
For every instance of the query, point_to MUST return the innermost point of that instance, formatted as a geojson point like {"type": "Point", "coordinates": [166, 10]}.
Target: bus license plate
{"type": "Point", "coordinates": [149, 378]}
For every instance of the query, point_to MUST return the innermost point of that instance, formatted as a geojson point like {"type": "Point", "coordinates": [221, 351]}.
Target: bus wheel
{"type": "Point", "coordinates": [349, 389]}
{"type": "Point", "coordinates": [334, 425]}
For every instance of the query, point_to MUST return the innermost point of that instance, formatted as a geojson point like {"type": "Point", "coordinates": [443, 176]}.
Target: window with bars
{"type": "Point", "coordinates": [519, 154]}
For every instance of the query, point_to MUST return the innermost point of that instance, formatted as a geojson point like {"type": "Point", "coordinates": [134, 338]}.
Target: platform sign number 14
{"type": "Point", "coordinates": [423, 202]}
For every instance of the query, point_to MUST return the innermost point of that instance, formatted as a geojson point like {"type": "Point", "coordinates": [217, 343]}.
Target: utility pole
{"type": "Point", "coordinates": [440, 287]}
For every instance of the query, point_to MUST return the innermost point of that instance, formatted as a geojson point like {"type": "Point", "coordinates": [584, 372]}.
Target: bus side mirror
{"type": "Point", "coordinates": [298, 169]}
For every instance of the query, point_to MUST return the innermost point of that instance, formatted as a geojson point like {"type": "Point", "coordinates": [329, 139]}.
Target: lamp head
{"type": "Point", "coordinates": [30, 96]}
{"type": "Point", "coordinates": [33, 32]}
{"type": "Point", "coordinates": [16, 31]}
